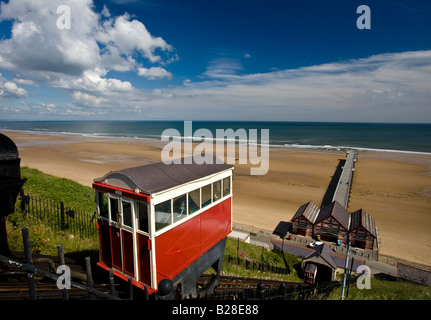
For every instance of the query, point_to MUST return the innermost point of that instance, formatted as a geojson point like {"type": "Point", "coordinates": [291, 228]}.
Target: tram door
{"type": "Point", "coordinates": [121, 228]}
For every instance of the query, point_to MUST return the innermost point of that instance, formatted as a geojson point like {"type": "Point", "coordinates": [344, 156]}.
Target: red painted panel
{"type": "Point", "coordinates": [180, 246]}
{"type": "Point", "coordinates": [128, 265]}
{"type": "Point", "coordinates": [215, 224]}
{"type": "Point", "coordinates": [176, 248]}
{"type": "Point", "coordinates": [116, 247]}
{"type": "Point", "coordinates": [143, 259]}
{"type": "Point", "coordinates": [104, 242]}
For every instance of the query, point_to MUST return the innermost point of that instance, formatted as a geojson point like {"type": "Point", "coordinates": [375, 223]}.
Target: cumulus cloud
{"type": "Point", "coordinates": [10, 90]}
{"type": "Point", "coordinates": [37, 44]}
{"type": "Point", "coordinates": [87, 99]}
{"type": "Point", "coordinates": [79, 58]}
{"type": "Point", "coordinates": [129, 36]}
{"type": "Point", "coordinates": [154, 73]}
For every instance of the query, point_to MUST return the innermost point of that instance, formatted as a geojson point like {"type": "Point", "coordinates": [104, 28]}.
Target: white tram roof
{"type": "Point", "coordinates": [156, 177]}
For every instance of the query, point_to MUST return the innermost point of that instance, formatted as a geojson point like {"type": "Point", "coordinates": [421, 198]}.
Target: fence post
{"type": "Point", "coordinates": [282, 290]}
{"type": "Point", "coordinates": [89, 277]}
{"type": "Point", "coordinates": [63, 226]}
{"type": "Point", "coordinates": [62, 262]}
{"type": "Point", "coordinates": [29, 260]}
{"type": "Point", "coordinates": [260, 291]}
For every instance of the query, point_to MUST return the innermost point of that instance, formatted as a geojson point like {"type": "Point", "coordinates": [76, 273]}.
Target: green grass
{"type": "Point", "coordinates": [45, 239]}
{"type": "Point", "coordinates": [257, 254]}
{"type": "Point", "coordinates": [385, 290]}
{"type": "Point", "coordinates": [73, 194]}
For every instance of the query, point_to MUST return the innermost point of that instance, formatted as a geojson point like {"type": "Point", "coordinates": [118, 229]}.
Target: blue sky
{"type": "Point", "coordinates": [215, 60]}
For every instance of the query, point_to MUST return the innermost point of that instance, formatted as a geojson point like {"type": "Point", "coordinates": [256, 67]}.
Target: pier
{"type": "Point", "coordinates": [342, 191]}
{"type": "Point", "coordinates": [339, 186]}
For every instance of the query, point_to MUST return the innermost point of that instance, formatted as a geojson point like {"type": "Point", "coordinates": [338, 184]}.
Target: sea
{"type": "Point", "coordinates": [406, 138]}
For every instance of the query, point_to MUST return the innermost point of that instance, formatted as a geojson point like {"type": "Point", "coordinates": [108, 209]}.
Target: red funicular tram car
{"type": "Point", "coordinates": [162, 221]}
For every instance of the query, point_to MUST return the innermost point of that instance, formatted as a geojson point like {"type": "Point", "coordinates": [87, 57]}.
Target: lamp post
{"type": "Point", "coordinates": [345, 269]}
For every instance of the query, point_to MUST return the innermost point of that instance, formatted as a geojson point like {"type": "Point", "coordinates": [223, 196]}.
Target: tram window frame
{"type": "Point", "coordinates": [197, 207]}
{"type": "Point", "coordinates": [103, 204]}
{"type": "Point", "coordinates": [228, 189]}
{"type": "Point", "coordinates": [161, 225]}
{"type": "Point", "coordinates": [178, 215]}
{"type": "Point", "coordinates": [216, 194]}
{"type": "Point", "coordinates": [114, 217]}
{"type": "Point", "coordinates": [142, 223]}
{"type": "Point", "coordinates": [204, 200]}
{"type": "Point", "coordinates": [127, 219]}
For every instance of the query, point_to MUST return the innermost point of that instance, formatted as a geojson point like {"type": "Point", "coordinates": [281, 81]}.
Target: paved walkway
{"type": "Point", "coordinates": [343, 188]}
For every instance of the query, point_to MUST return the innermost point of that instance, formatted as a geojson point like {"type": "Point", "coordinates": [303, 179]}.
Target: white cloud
{"type": "Point", "coordinates": [93, 81]}
{"type": "Point", "coordinates": [10, 90]}
{"type": "Point", "coordinates": [87, 99]}
{"type": "Point", "coordinates": [37, 44]}
{"type": "Point", "coordinates": [25, 82]}
{"type": "Point", "coordinates": [78, 58]}
{"type": "Point", "coordinates": [82, 60]}
{"type": "Point", "coordinates": [130, 36]}
{"type": "Point", "coordinates": [154, 73]}
{"type": "Point", "coordinates": [223, 68]}
{"type": "Point", "coordinates": [105, 12]}
{"type": "Point", "coordinates": [384, 87]}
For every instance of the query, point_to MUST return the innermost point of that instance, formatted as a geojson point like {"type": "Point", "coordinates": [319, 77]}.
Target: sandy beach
{"type": "Point", "coordinates": [395, 188]}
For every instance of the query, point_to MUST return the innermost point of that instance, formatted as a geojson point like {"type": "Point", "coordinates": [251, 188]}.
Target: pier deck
{"type": "Point", "coordinates": [342, 191]}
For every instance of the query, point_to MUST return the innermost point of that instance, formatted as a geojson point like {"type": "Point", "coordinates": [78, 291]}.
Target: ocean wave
{"type": "Point", "coordinates": [280, 143]}
{"type": "Point", "coordinates": [344, 148]}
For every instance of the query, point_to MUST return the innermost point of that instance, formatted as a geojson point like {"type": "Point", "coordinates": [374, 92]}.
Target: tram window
{"type": "Point", "coordinates": [194, 200]}
{"type": "Point", "coordinates": [114, 209]}
{"type": "Point", "coordinates": [163, 214]}
{"type": "Point", "coordinates": [217, 190]}
{"type": "Point", "coordinates": [142, 212]}
{"type": "Point", "coordinates": [206, 195]}
{"type": "Point", "coordinates": [103, 204]}
{"type": "Point", "coordinates": [179, 208]}
{"type": "Point", "coordinates": [127, 213]}
{"type": "Point", "coordinates": [226, 186]}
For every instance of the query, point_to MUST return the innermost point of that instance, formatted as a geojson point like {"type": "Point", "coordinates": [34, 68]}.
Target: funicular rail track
{"type": "Point", "coordinates": [28, 277]}
{"type": "Point", "coordinates": [231, 282]}
{"type": "Point", "coordinates": [14, 286]}
{"type": "Point", "coordinates": [44, 290]}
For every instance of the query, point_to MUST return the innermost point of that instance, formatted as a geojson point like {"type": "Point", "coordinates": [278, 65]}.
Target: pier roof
{"type": "Point", "coordinates": [337, 211]}
{"type": "Point", "coordinates": [308, 210]}
{"type": "Point", "coordinates": [361, 218]}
